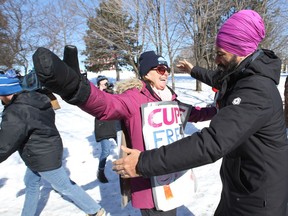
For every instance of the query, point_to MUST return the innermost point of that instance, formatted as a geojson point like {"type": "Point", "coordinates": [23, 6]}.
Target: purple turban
{"type": "Point", "coordinates": [241, 33]}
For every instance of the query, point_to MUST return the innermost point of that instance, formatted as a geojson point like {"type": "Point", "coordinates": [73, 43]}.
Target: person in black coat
{"type": "Point", "coordinates": [28, 126]}
{"type": "Point", "coordinates": [104, 131]}
{"type": "Point", "coordinates": [248, 132]}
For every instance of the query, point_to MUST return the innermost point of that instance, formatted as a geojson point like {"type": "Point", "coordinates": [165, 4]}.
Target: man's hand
{"type": "Point", "coordinates": [185, 66]}
{"type": "Point", "coordinates": [126, 166]}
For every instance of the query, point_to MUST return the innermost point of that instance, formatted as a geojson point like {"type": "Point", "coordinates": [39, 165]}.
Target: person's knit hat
{"type": "Point", "coordinates": [100, 78]}
{"type": "Point", "coordinates": [9, 85]}
{"type": "Point", "coordinates": [241, 33]}
{"type": "Point", "coordinates": [149, 60]}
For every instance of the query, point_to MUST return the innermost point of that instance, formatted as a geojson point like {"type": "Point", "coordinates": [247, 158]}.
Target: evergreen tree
{"type": "Point", "coordinates": [110, 39]}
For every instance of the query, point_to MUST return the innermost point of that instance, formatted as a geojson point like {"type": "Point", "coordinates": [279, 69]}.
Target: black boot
{"type": "Point", "coordinates": [101, 176]}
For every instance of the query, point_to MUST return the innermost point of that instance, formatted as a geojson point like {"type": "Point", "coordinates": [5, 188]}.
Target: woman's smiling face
{"type": "Point", "coordinates": [158, 77]}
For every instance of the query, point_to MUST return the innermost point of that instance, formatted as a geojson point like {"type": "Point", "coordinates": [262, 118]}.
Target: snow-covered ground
{"type": "Point", "coordinates": [81, 156]}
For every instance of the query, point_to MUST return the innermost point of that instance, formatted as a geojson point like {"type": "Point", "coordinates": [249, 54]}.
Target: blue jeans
{"type": "Point", "coordinates": [60, 181]}
{"type": "Point", "coordinates": [105, 151]}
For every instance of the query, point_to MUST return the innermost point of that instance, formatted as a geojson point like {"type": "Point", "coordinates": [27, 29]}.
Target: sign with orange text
{"type": "Point", "coordinates": [162, 125]}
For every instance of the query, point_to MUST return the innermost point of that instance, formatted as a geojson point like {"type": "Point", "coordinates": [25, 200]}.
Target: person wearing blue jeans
{"type": "Point", "coordinates": [104, 131]}
{"type": "Point", "coordinates": [105, 151]}
{"type": "Point", "coordinates": [60, 181]}
{"type": "Point", "coordinates": [28, 125]}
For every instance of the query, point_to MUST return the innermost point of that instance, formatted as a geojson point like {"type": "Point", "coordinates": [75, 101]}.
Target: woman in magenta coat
{"type": "Point", "coordinates": [152, 87]}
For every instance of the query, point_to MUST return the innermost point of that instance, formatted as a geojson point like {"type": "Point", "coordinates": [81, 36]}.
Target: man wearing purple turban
{"type": "Point", "coordinates": [248, 132]}
{"type": "Point", "coordinates": [241, 33]}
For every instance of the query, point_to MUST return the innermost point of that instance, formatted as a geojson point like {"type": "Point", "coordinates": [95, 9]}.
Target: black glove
{"type": "Point", "coordinates": [59, 78]}
{"type": "Point", "coordinates": [71, 57]}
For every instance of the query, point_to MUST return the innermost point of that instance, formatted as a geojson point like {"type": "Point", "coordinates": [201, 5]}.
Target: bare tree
{"type": "Point", "coordinates": [174, 36]}
{"type": "Point", "coordinates": [20, 29]}
{"type": "Point", "coordinates": [275, 15]}
{"type": "Point", "coordinates": [59, 24]}
{"type": "Point", "coordinates": [201, 19]}
{"type": "Point", "coordinates": [169, 27]}
{"type": "Point", "coordinates": [160, 28]}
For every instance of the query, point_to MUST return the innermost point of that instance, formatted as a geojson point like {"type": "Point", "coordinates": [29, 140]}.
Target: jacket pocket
{"type": "Point", "coordinates": [247, 200]}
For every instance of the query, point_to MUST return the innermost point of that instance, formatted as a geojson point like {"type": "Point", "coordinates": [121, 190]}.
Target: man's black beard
{"type": "Point", "coordinates": [222, 71]}
{"type": "Point", "coordinates": [227, 69]}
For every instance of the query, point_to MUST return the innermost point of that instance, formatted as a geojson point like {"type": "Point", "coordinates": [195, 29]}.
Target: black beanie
{"type": "Point", "coordinates": [100, 78]}
{"type": "Point", "coordinates": [149, 60]}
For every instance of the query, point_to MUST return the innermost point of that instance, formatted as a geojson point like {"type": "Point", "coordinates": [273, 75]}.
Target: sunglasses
{"type": "Point", "coordinates": [161, 70]}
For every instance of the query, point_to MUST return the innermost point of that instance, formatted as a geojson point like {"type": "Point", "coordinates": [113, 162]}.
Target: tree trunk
{"type": "Point", "coordinates": [198, 85]}
{"type": "Point", "coordinates": [286, 101]}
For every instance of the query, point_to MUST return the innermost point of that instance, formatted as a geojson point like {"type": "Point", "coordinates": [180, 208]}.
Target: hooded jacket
{"type": "Point", "coordinates": [126, 107]}
{"type": "Point", "coordinates": [28, 125]}
{"type": "Point", "coordinates": [249, 132]}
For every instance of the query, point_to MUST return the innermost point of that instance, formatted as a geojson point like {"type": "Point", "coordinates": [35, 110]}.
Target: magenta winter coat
{"type": "Point", "coordinates": [126, 107]}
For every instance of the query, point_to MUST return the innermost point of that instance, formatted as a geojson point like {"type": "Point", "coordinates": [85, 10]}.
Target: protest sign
{"type": "Point", "coordinates": [163, 124]}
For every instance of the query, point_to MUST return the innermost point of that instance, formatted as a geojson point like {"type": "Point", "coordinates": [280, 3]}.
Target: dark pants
{"type": "Point", "coordinates": [154, 212]}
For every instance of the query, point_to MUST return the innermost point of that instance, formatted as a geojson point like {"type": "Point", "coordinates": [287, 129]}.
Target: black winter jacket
{"type": "Point", "coordinates": [249, 132]}
{"type": "Point", "coordinates": [104, 129]}
{"type": "Point", "coordinates": [28, 125]}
